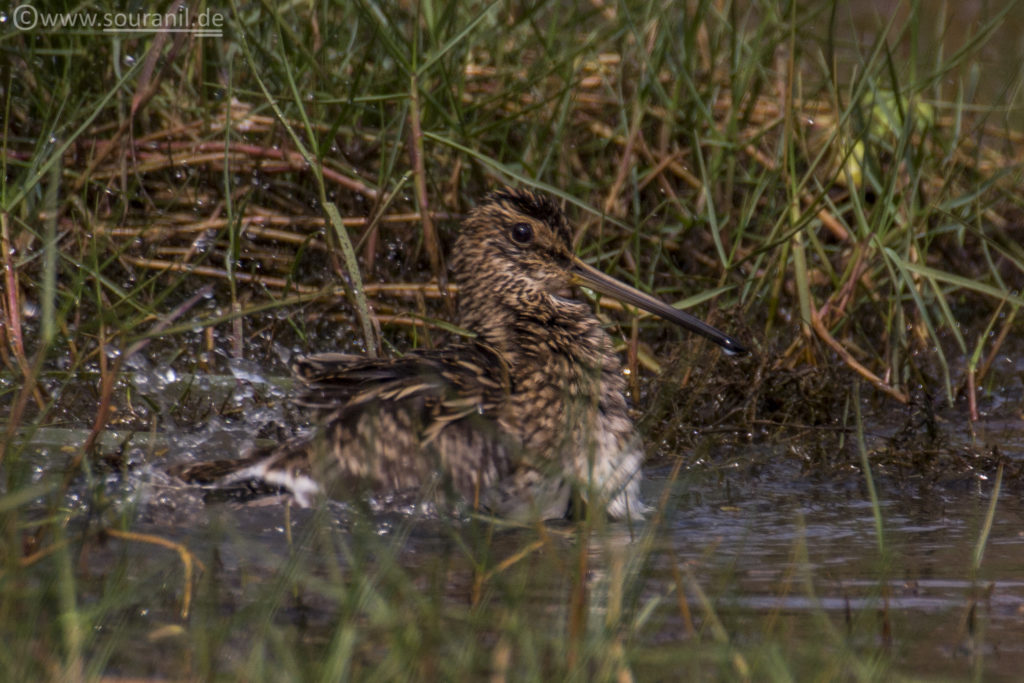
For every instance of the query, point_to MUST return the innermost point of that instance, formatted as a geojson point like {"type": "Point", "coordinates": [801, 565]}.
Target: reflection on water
{"type": "Point", "coordinates": [797, 551]}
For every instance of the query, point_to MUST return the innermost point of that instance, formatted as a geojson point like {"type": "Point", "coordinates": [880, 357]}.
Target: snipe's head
{"type": "Point", "coordinates": [514, 257]}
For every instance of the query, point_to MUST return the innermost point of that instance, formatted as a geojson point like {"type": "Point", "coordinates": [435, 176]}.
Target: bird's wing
{"type": "Point", "coordinates": [399, 422]}
{"type": "Point", "coordinates": [394, 424]}
{"type": "Point", "coordinates": [445, 384]}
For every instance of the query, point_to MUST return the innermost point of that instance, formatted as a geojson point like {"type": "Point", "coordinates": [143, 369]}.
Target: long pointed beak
{"type": "Point", "coordinates": [588, 276]}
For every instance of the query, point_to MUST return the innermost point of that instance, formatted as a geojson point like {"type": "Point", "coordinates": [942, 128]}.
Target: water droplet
{"type": "Point", "coordinates": [282, 352]}
{"type": "Point", "coordinates": [246, 370]}
{"type": "Point", "coordinates": [142, 381]}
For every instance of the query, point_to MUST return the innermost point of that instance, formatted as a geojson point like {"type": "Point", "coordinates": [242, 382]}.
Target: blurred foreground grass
{"type": "Point", "coordinates": [292, 185]}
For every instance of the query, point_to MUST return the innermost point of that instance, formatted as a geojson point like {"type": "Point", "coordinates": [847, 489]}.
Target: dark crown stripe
{"type": "Point", "coordinates": [538, 206]}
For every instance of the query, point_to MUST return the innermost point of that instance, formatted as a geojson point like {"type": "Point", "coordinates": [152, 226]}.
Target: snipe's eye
{"type": "Point", "coordinates": [522, 232]}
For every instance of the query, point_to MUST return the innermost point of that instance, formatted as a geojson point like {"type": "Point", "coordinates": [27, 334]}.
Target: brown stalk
{"type": "Point", "coordinates": [430, 238]}
{"type": "Point", "coordinates": [29, 388]}
{"type": "Point", "coordinates": [12, 327]}
{"type": "Point", "coordinates": [578, 603]}
{"type": "Point", "coordinates": [189, 561]}
{"type": "Point", "coordinates": [184, 223]}
{"type": "Point", "coordinates": [108, 375]}
{"type": "Point", "coordinates": [677, 578]}
{"type": "Point", "coordinates": [659, 167]}
{"type": "Point", "coordinates": [211, 152]}
{"type": "Point", "coordinates": [101, 152]}
{"type": "Point", "coordinates": [830, 222]}
{"type": "Point", "coordinates": [997, 345]}
{"type": "Point", "coordinates": [853, 363]}
{"type": "Point", "coordinates": [972, 395]}
{"type": "Point", "coordinates": [12, 307]}
{"type": "Point", "coordinates": [837, 302]}
{"type": "Point", "coordinates": [150, 76]}
{"type": "Point", "coordinates": [515, 558]}
{"type": "Point", "coordinates": [410, 289]}
{"type": "Point", "coordinates": [210, 271]}
{"type": "Point", "coordinates": [403, 289]}
{"type": "Point", "coordinates": [147, 87]}
{"type": "Point", "coordinates": [625, 163]}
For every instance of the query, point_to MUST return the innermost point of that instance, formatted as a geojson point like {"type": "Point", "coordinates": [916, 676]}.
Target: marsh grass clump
{"type": "Point", "coordinates": [190, 211]}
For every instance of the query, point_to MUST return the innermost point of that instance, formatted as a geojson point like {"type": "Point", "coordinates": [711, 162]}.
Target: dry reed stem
{"type": "Point", "coordinates": [12, 305]}
{"type": "Point", "coordinates": [657, 519]}
{"type": "Point", "coordinates": [831, 223]}
{"type": "Point", "coordinates": [578, 601]}
{"type": "Point", "coordinates": [253, 223]}
{"type": "Point", "coordinates": [238, 155]}
{"type": "Point", "coordinates": [972, 396]}
{"type": "Point", "coordinates": [429, 290]}
{"type": "Point", "coordinates": [42, 553]}
{"type": "Point", "coordinates": [514, 559]}
{"type": "Point", "coordinates": [29, 389]}
{"type": "Point", "coordinates": [823, 334]}
{"type": "Point", "coordinates": [418, 163]}
{"type": "Point", "coordinates": [612, 205]}
{"type": "Point", "coordinates": [997, 345]}
{"type": "Point", "coordinates": [189, 561]}
{"type": "Point", "coordinates": [211, 271]}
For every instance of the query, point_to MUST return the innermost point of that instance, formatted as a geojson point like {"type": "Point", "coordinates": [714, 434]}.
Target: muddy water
{"type": "Point", "coordinates": [739, 568]}
{"type": "Point", "coordinates": [772, 565]}
{"type": "Point", "coordinates": [786, 557]}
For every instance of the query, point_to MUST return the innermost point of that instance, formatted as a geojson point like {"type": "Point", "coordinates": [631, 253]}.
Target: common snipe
{"type": "Point", "coordinates": [510, 421]}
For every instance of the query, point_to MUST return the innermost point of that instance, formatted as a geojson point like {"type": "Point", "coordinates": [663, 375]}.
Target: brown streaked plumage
{"type": "Point", "coordinates": [511, 421]}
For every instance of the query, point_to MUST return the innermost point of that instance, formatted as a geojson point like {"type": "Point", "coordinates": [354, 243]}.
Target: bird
{"type": "Point", "coordinates": [511, 421]}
